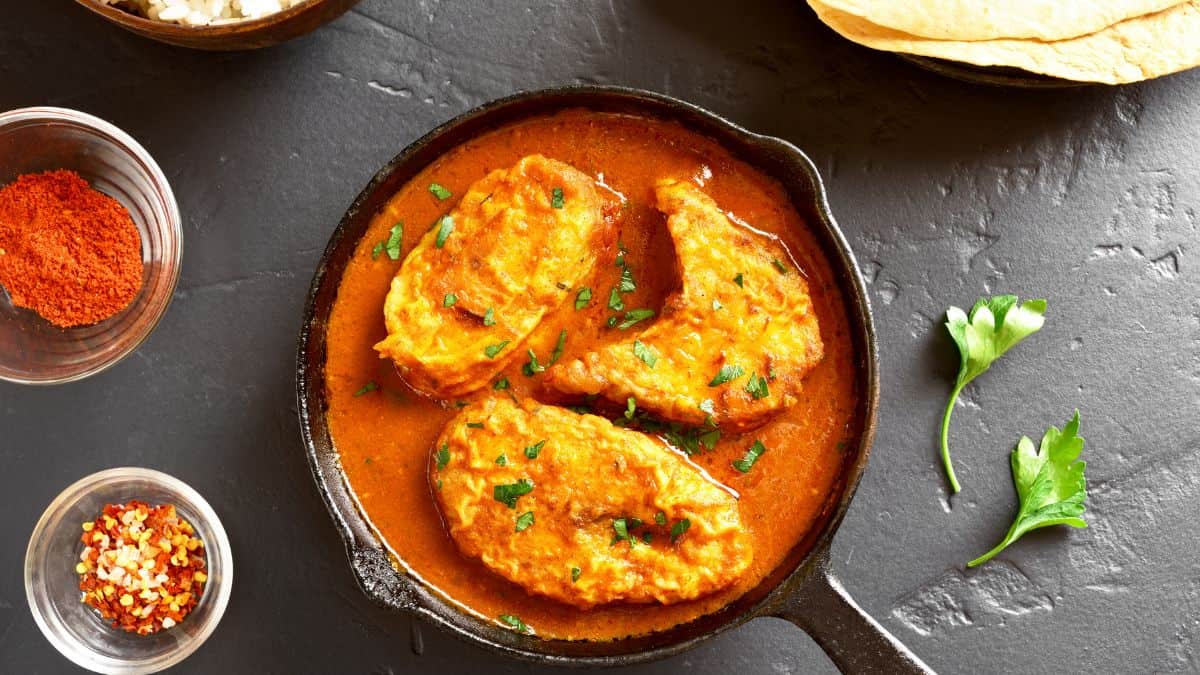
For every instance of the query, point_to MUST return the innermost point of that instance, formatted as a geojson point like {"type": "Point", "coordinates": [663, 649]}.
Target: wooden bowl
{"type": "Point", "coordinates": [249, 34]}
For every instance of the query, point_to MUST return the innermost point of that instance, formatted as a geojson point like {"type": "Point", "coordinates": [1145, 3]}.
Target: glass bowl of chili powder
{"type": "Point", "coordinates": [52, 581]}
{"type": "Point", "coordinates": [34, 141]}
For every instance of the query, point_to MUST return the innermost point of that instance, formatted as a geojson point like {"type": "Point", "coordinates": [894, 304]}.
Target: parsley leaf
{"type": "Point", "coordinates": [532, 451]}
{"type": "Point", "coordinates": [558, 347]}
{"type": "Point", "coordinates": [660, 519]}
{"type": "Point", "coordinates": [644, 353]}
{"type": "Point", "coordinates": [501, 383]}
{"type": "Point", "coordinates": [449, 300]}
{"type": "Point", "coordinates": [779, 266]}
{"type": "Point", "coordinates": [575, 574]}
{"type": "Point", "coordinates": [502, 460]}
{"type": "Point", "coordinates": [515, 623]}
{"type": "Point", "coordinates": [475, 425]}
{"type": "Point", "coordinates": [492, 350]}
{"type": "Point", "coordinates": [739, 280]}
{"type": "Point", "coordinates": [726, 374]}
{"type": "Point", "coordinates": [445, 227]}
{"type": "Point", "coordinates": [443, 456]}
{"type": "Point", "coordinates": [679, 528]}
{"type": "Point", "coordinates": [630, 407]}
{"type": "Point", "coordinates": [757, 386]}
{"type": "Point", "coordinates": [489, 317]}
{"type": "Point", "coordinates": [439, 191]}
{"type": "Point", "coordinates": [582, 298]}
{"type": "Point", "coordinates": [556, 198]}
{"type": "Point", "coordinates": [1049, 482]}
{"type": "Point", "coordinates": [524, 521]}
{"type": "Point", "coordinates": [746, 463]}
{"type": "Point", "coordinates": [508, 494]}
{"type": "Point", "coordinates": [367, 388]}
{"type": "Point", "coordinates": [633, 316]}
{"type": "Point", "coordinates": [377, 250]}
{"type": "Point", "coordinates": [614, 301]}
{"type": "Point", "coordinates": [991, 328]}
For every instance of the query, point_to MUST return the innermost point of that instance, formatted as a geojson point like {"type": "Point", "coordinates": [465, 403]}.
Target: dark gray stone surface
{"type": "Point", "coordinates": [947, 191]}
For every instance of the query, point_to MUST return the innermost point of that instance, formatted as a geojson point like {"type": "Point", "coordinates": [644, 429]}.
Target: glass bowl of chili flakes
{"type": "Point", "coordinates": [43, 141]}
{"type": "Point", "coordinates": [54, 576]}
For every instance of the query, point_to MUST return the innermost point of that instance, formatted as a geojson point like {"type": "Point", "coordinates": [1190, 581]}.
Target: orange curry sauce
{"type": "Point", "coordinates": [384, 437]}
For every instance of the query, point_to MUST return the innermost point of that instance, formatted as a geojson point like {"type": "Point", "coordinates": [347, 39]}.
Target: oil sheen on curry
{"type": "Point", "coordinates": [589, 376]}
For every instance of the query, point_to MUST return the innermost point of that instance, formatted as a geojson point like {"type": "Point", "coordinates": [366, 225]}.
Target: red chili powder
{"type": "Point", "coordinates": [68, 252]}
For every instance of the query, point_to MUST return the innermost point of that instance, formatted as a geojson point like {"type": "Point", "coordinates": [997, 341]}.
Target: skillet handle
{"type": "Point", "coordinates": [854, 641]}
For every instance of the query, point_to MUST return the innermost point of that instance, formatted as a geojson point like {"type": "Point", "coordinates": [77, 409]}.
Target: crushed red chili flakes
{"type": "Point", "coordinates": [142, 566]}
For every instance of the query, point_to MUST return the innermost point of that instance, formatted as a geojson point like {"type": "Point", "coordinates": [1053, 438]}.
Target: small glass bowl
{"type": "Point", "coordinates": [33, 351]}
{"type": "Point", "coordinates": [52, 584]}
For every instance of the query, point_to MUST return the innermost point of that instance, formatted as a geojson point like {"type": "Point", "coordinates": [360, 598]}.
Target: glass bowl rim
{"type": "Point", "coordinates": [100, 127]}
{"type": "Point", "coordinates": [73, 649]}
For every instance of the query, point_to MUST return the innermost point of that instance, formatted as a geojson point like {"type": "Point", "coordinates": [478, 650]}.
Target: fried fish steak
{"type": "Point", "coordinates": [734, 342]}
{"type": "Point", "coordinates": [571, 507]}
{"type": "Point", "coordinates": [484, 276]}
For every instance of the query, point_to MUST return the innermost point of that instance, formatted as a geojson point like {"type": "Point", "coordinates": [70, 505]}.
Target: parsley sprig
{"type": "Point", "coordinates": [1049, 482]}
{"type": "Point", "coordinates": [991, 328]}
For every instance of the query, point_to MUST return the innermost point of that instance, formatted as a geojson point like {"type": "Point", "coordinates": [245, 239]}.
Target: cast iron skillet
{"type": "Point", "coordinates": [802, 590]}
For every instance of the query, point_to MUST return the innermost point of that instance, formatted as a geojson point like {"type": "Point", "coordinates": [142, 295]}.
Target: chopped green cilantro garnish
{"type": "Point", "coordinates": [558, 347]}
{"type": "Point", "coordinates": [524, 521]}
{"type": "Point", "coordinates": [726, 374]}
{"type": "Point", "coordinates": [627, 284]}
{"type": "Point", "coordinates": [475, 425]}
{"type": "Point", "coordinates": [771, 373]}
{"type": "Point", "coordinates": [443, 456]}
{"type": "Point", "coordinates": [514, 622]}
{"type": "Point", "coordinates": [644, 353]}
{"type": "Point", "coordinates": [614, 301]}
{"type": "Point", "coordinates": [489, 317]}
{"type": "Point", "coordinates": [508, 494]}
{"type": "Point", "coordinates": [660, 519]}
{"type": "Point", "coordinates": [747, 462]}
{"type": "Point", "coordinates": [556, 198]}
{"type": "Point", "coordinates": [502, 460]}
{"type": "Point", "coordinates": [445, 227]}
{"type": "Point", "coordinates": [991, 328]}
{"type": "Point", "coordinates": [449, 299]}
{"type": "Point", "coordinates": [367, 388]}
{"type": "Point", "coordinates": [709, 438]}
{"type": "Point", "coordinates": [392, 244]}
{"type": "Point", "coordinates": [612, 321]}
{"type": "Point", "coordinates": [1050, 484]}
{"type": "Point", "coordinates": [501, 383]}
{"type": "Point", "coordinates": [622, 526]}
{"type": "Point", "coordinates": [647, 537]}
{"type": "Point", "coordinates": [439, 191]}
{"type": "Point", "coordinates": [630, 407]}
{"type": "Point", "coordinates": [679, 528]}
{"type": "Point", "coordinates": [779, 266]}
{"type": "Point", "coordinates": [739, 280]}
{"type": "Point", "coordinates": [532, 451]}
{"type": "Point", "coordinates": [575, 574]}
{"type": "Point", "coordinates": [633, 316]}
{"type": "Point", "coordinates": [532, 367]}
{"type": "Point", "coordinates": [582, 298]}
{"type": "Point", "coordinates": [377, 250]}
{"type": "Point", "coordinates": [439, 485]}
{"type": "Point", "coordinates": [492, 350]}
{"type": "Point", "coordinates": [757, 386]}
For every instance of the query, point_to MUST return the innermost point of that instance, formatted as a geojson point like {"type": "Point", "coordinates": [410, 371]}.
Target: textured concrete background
{"type": "Point", "coordinates": [947, 191]}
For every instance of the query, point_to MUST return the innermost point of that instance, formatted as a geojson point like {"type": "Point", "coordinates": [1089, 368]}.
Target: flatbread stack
{"type": "Point", "coordinates": [1107, 41]}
